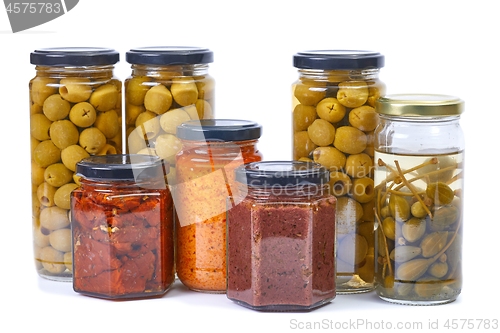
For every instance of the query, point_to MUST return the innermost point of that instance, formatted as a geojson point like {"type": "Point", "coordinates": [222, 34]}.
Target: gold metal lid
{"type": "Point", "coordinates": [417, 105]}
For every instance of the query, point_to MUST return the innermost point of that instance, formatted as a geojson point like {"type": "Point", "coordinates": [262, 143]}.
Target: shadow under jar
{"type": "Point", "coordinates": [281, 237]}
{"type": "Point", "coordinates": [75, 112]}
{"type": "Point", "coordinates": [419, 154]}
{"type": "Point", "coordinates": [333, 119]}
{"type": "Point", "coordinates": [122, 227]}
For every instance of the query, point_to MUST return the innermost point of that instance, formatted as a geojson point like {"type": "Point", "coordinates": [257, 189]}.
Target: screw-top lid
{"type": "Point", "coordinates": [219, 130]}
{"type": "Point", "coordinates": [415, 105]}
{"type": "Point", "coordinates": [122, 167]}
{"type": "Point", "coordinates": [74, 56]}
{"type": "Point", "coordinates": [169, 55]}
{"type": "Point", "coordinates": [338, 59]}
{"type": "Point", "coordinates": [282, 173]}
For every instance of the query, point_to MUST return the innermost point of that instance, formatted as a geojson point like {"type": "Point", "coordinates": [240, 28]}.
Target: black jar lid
{"type": "Point", "coordinates": [219, 130]}
{"type": "Point", "coordinates": [122, 167]}
{"type": "Point", "coordinates": [338, 59]}
{"type": "Point", "coordinates": [282, 173]}
{"type": "Point", "coordinates": [169, 55]}
{"type": "Point", "coordinates": [74, 56]}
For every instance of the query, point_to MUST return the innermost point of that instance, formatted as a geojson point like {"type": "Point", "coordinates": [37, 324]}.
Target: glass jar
{"type": "Point", "coordinates": [211, 150]}
{"type": "Point", "coordinates": [281, 237]}
{"type": "Point", "coordinates": [333, 120]}
{"type": "Point", "coordinates": [75, 112]}
{"type": "Point", "coordinates": [122, 227]}
{"type": "Point", "coordinates": [419, 153]}
{"type": "Point", "coordinates": [167, 86]}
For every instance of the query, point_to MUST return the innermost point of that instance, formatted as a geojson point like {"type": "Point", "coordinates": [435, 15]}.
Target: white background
{"type": "Point", "coordinates": [448, 47]}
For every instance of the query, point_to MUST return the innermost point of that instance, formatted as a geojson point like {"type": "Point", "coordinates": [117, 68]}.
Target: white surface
{"type": "Point", "coordinates": [448, 47]}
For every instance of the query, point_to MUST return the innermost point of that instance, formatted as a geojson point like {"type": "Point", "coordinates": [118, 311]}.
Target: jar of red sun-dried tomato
{"type": "Point", "coordinates": [122, 227]}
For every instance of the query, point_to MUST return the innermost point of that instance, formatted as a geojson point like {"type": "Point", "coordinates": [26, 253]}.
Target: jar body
{"type": "Point", "coordinates": [333, 123]}
{"type": "Point", "coordinates": [204, 180]}
{"type": "Point", "coordinates": [158, 98]}
{"type": "Point", "coordinates": [75, 112]}
{"type": "Point", "coordinates": [419, 189]}
{"type": "Point", "coordinates": [281, 249]}
{"type": "Point", "coordinates": [123, 239]}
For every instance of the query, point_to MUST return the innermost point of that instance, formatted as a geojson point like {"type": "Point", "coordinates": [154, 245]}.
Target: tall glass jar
{"type": "Point", "coordinates": [419, 179]}
{"type": "Point", "coordinates": [281, 237]}
{"type": "Point", "coordinates": [168, 85]}
{"type": "Point", "coordinates": [333, 119]}
{"type": "Point", "coordinates": [122, 224]}
{"type": "Point", "coordinates": [211, 150]}
{"type": "Point", "coordinates": [75, 112]}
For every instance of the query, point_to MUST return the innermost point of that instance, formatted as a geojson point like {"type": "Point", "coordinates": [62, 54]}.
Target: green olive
{"type": "Point", "coordinates": [303, 145]}
{"type": "Point", "coordinates": [330, 157]}
{"type": "Point", "coordinates": [105, 98]}
{"type": "Point", "coordinates": [309, 93]}
{"type": "Point", "coordinates": [303, 116]}
{"type": "Point", "coordinates": [158, 99]}
{"type": "Point", "coordinates": [350, 140]}
{"type": "Point", "coordinates": [63, 133]}
{"type": "Point", "coordinates": [184, 91]}
{"type": "Point", "coordinates": [363, 118]}
{"type": "Point", "coordinates": [321, 132]}
{"type": "Point", "coordinates": [331, 110]}
{"type": "Point", "coordinates": [358, 165]}
{"type": "Point", "coordinates": [83, 114]}
{"type": "Point", "coordinates": [75, 89]}
{"type": "Point", "coordinates": [56, 108]}
{"type": "Point", "coordinates": [352, 93]}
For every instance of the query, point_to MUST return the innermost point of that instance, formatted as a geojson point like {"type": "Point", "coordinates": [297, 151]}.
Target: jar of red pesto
{"type": "Point", "coordinates": [122, 227]}
{"type": "Point", "coordinates": [281, 237]}
{"type": "Point", "coordinates": [211, 150]}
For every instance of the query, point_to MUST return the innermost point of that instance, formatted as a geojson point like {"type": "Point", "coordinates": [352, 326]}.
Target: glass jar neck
{"type": "Point", "coordinates": [424, 120]}
{"type": "Point", "coordinates": [220, 146]}
{"type": "Point", "coordinates": [338, 75]}
{"type": "Point", "coordinates": [299, 193]}
{"type": "Point", "coordinates": [169, 70]}
{"type": "Point", "coordinates": [121, 185]}
{"type": "Point", "coordinates": [94, 72]}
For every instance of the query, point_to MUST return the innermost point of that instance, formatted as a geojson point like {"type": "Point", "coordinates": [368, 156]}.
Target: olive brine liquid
{"type": "Point", "coordinates": [419, 222]}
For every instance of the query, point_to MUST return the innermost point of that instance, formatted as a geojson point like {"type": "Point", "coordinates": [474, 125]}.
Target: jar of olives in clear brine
{"type": "Point", "coordinates": [333, 120]}
{"type": "Point", "coordinates": [75, 112]}
{"type": "Point", "coordinates": [168, 86]}
{"type": "Point", "coordinates": [419, 178]}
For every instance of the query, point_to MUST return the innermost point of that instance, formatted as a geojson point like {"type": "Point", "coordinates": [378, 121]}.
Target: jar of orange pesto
{"type": "Point", "coordinates": [211, 150]}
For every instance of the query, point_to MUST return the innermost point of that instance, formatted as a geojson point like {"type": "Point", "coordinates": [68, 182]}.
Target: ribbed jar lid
{"type": "Point", "coordinates": [338, 59]}
{"type": "Point", "coordinates": [282, 173]}
{"type": "Point", "coordinates": [219, 130]}
{"type": "Point", "coordinates": [169, 55]}
{"type": "Point", "coordinates": [122, 167]}
{"type": "Point", "coordinates": [416, 105]}
{"type": "Point", "coordinates": [74, 56]}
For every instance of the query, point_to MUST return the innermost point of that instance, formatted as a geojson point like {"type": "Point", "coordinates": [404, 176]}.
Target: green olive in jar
{"type": "Point", "coordinates": [350, 140]}
{"type": "Point", "coordinates": [352, 94]}
{"type": "Point", "coordinates": [303, 117]}
{"type": "Point", "coordinates": [309, 93]}
{"type": "Point", "coordinates": [321, 132]}
{"type": "Point", "coordinates": [331, 110]}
